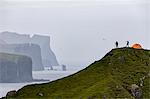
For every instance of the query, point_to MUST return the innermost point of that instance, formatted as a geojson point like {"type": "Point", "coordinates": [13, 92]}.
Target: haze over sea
{"type": "Point", "coordinates": [46, 74]}
{"type": "Point", "coordinates": [81, 31]}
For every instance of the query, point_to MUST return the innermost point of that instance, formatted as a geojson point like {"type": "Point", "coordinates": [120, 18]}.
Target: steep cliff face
{"type": "Point", "coordinates": [15, 68]}
{"type": "Point", "coordinates": [48, 57]}
{"type": "Point", "coordinates": [31, 50]}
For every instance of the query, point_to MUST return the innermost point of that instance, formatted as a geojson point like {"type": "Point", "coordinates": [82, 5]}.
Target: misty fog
{"type": "Point", "coordinates": [81, 31]}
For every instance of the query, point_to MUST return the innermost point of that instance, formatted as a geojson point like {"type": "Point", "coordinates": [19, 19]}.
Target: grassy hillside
{"type": "Point", "coordinates": [110, 77]}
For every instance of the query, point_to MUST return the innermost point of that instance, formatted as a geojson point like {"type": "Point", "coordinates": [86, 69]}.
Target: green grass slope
{"type": "Point", "coordinates": [110, 77]}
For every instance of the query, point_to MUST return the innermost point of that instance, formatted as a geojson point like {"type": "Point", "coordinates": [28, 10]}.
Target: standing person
{"type": "Point", "coordinates": [127, 44]}
{"type": "Point", "coordinates": [116, 44]}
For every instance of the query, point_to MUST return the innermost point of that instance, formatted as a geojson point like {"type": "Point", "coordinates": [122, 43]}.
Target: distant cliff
{"type": "Point", "coordinates": [31, 50]}
{"type": "Point", "coordinates": [15, 68]}
{"type": "Point", "coordinates": [48, 57]}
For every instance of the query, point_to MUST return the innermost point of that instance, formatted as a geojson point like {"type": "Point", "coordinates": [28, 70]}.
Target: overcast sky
{"type": "Point", "coordinates": [81, 31]}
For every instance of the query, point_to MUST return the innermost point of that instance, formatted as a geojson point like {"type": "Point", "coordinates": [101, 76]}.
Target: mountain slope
{"type": "Point", "coordinates": [111, 77]}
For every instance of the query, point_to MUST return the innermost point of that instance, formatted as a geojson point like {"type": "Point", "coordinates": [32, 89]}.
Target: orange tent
{"type": "Point", "coordinates": [137, 46]}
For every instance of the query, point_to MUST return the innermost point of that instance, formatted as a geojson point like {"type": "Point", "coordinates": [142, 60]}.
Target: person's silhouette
{"type": "Point", "coordinates": [116, 44]}
{"type": "Point", "coordinates": [127, 44]}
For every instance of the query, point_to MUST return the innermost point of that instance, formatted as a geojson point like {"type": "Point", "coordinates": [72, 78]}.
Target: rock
{"type": "Point", "coordinates": [109, 63]}
{"type": "Point", "coordinates": [48, 56]}
{"type": "Point", "coordinates": [136, 91]}
{"type": "Point", "coordinates": [64, 67]}
{"type": "Point", "coordinates": [41, 94]}
{"type": "Point", "coordinates": [141, 82]}
{"type": "Point", "coordinates": [15, 68]}
{"type": "Point", "coordinates": [11, 93]}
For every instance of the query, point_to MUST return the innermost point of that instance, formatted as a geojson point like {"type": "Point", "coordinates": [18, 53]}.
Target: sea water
{"type": "Point", "coordinates": [50, 75]}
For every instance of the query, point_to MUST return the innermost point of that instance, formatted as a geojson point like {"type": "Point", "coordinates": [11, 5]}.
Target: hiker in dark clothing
{"type": "Point", "coordinates": [127, 44]}
{"type": "Point", "coordinates": [116, 44]}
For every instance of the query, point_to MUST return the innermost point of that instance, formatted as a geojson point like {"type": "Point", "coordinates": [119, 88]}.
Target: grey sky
{"type": "Point", "coordinates": [81, 31]}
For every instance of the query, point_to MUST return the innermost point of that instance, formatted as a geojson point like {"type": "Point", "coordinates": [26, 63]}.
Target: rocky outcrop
{"type": "Point", "coordinates": [48, 57]}
{"type": "Point", "coordinates": [136, 91]}
{"type": "Point", "coordinates": [11, 93]}
{"type": "Point", "coordinates": [15, 68]}
{"type": "Point", "coordinates": [31, 50]}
